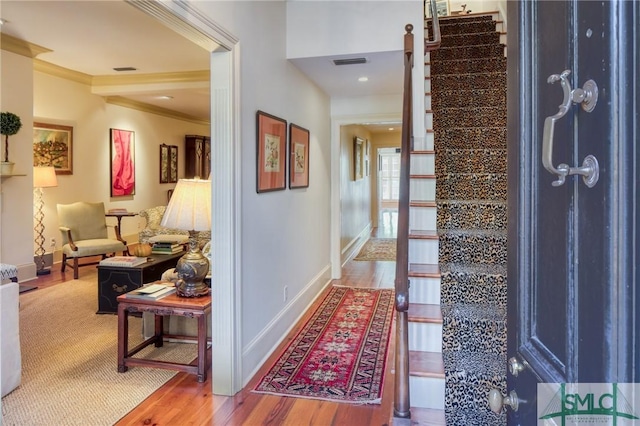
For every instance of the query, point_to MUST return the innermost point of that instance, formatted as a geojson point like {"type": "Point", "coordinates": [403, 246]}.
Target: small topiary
{"type": "Point", "coordinates": [10, 124]}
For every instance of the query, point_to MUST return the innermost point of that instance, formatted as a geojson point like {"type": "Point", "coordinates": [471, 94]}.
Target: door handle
{"type": "Point", "coordinates": [497, 401]}
{"type": "Point", "coordinates": [588, 98]}
{"type": "Point", "coordinates": [515, 366]}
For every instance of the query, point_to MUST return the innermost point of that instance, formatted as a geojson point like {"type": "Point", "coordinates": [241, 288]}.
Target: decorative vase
{"type": "Point", "coordinates": [6, 168]}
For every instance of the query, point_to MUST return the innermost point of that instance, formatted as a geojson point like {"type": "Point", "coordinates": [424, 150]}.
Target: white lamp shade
{"type": "Point", "coordinates": [190, 206]}
{"type": "Point", "coordinates": [44, 177]}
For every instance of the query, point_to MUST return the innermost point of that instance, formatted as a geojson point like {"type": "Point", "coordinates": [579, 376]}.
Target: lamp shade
{"type": "Point", "coordinates": [44, 177]}
{"type": "Point", "coordinates": [190, 206]}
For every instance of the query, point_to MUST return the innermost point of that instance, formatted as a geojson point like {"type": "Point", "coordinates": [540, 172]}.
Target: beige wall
{"type": "Point", "coordinates": [61, 101]}
{"type": "Point", "coordinates": [45, 98]}
{"type": "Point", "coordinates": [355, 195]}
{"type": "Point", "coordinates": [16, 193]}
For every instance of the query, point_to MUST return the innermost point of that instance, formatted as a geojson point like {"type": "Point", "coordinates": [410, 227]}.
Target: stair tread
{"type": "Point", "coordinates": [423, 152]}
{"type": "Point", "coordinates": [417, 234]}
{"type": "Point", "coordinates": [426, 417]}
{"type": "Point", "coordinates": [425, 313]}
{"type": "Point", "coordinates": [426, 364]}
{"type": "Point", "coordinates": [424, 270]}
{"type": "Point", "coordinates": [423, 204]}
{"type": "Point", "coordinates": [423, 176]}
{"type": "Point", "coordinates": [473, 268]}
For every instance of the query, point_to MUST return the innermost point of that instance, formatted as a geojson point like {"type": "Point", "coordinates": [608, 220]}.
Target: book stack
{"type": "Point", "coordinates": [153, 291]}
{"type": "Point", "coordinates": [123, 261]}
{"type": "Point", "coordinates": [117, 211]}
{"type": "Point", "coordinates": [166, 248]}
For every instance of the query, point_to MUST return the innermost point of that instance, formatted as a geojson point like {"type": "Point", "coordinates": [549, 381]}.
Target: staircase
{"type": "Point", "coordinates": [457, 270]}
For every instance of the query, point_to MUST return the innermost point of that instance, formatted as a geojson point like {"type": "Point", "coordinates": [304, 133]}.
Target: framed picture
{"type": "Point", "coordinates": [367, 156]}
{"type": "Point", "coordinates": [123, 170]}
{"type": "Point", "coordinates": [168, 163]}
{"type": "Point", "coordinates": [53, 146]}
{"type": "Point", "coordinates": [272, 152]}
{"type": "Point", "coordinates": [358, 158]}
{"type": "Point", "coordinates": [299, 152]}
{"type": "Point", "coordinates": [442, 8]}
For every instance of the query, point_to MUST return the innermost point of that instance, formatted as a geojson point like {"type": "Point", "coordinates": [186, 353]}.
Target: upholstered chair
{"type": "Point", "coordinates": [85, 234]}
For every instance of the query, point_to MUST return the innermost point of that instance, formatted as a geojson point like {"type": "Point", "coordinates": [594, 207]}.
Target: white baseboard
{"type": "Point", "coordinates": [355, 245]}
{"type": "Point", "coordinates": [254, 354]}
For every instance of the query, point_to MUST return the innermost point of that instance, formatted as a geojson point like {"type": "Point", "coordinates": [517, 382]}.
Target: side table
{"type": "Point", "coordinates": [119, 215]}
{"type": "Point", "coordinates": [197, 307]}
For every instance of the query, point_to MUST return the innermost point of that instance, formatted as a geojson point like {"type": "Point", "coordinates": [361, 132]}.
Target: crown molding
{"type": "Point", "coordinates": [21, 47]}
{"type": "Point", "coordinates": [58, 71]}
{"type": "Point", "coordinates": [165, 77]}
{"type": "Point", "coordinates": [141, 106]}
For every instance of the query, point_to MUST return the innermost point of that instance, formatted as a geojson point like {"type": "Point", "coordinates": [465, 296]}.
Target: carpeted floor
{"type": "Point", "coordinates": [69, 361]}
{"type": "Point", "coordinates": [340, 353]}
{"type": "Point", "coordinates": [378, 249]}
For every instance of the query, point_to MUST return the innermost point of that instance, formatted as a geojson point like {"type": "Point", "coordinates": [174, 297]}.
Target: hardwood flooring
{"type": "Point", "coordinates": [184, 401]}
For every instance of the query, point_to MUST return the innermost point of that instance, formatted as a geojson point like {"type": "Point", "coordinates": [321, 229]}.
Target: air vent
{"type": "Point", "coordinates": [350, 61]}
{"type": "Point", "coordinates": [125, 69]}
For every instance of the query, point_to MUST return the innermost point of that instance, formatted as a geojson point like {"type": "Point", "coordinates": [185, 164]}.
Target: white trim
{"type": "Point", "coordinates": [226, 225]}
{"type": "Point", "coordinates": [280, 326]}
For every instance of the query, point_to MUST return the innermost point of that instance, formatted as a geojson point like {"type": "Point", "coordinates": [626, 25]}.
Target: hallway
{"type": "Point", "coordinates": [184, 401]}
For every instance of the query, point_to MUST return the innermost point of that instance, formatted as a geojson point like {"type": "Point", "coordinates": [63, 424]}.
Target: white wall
{"type": "Point", "coordinates": [285, 234]}
{"type": "Point", "coordinates": [61, 101]}
{"type": "Point", "coordinates": [16, 193]}
{"type": "Point", "coordinates": [346, 27]}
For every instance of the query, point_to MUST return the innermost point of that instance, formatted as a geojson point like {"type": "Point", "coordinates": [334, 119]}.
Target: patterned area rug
{"type": "Point", "coordinates": [69, 360]}
{"type": "Point", "coordinates": [378, 249]}
{"type": "Point", "coordinates": [340, 353]}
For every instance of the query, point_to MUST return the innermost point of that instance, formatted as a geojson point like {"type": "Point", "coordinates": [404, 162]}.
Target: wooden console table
{"type": "Point", "coordinates": [197, 307]}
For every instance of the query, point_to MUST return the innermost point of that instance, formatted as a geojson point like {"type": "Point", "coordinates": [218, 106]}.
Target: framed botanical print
{"type": "Point", "coordinates": [299, 153]}
{"type": "Point", "coordinates": [271, 141]}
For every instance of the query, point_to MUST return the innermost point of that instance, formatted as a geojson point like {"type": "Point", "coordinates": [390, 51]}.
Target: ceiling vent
{"type": "Point", "coordinates": [350, 61]}
{"type": "Point", "coordinates": [125, 69]}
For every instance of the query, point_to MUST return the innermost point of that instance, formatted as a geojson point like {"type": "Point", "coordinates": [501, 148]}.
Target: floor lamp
{"type": "Point", "coordinates": [43, 177]}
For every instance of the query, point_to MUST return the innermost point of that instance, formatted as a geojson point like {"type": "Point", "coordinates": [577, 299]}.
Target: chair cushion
{"type": "Point", "coordinates": [94, 247]}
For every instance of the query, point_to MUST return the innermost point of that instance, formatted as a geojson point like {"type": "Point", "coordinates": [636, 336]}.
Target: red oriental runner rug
{"type": "Point", "coordinates": [340, 353]}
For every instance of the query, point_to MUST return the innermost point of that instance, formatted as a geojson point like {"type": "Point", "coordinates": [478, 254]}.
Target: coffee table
{"type": "Point", "coordinates": [116, 280]}
{"type": "Point", "coordinates": [191, 307]}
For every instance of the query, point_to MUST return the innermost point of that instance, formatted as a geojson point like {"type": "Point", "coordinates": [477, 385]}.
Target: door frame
{"type": "Point", "coordinates": [226, 312]}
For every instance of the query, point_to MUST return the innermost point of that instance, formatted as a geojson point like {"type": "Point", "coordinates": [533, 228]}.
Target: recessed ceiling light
{"type": "Point", "coordinates": [363, 79]}
{"type": "Point", "coordinates": [391, 128]}
{"type": "Point", "coordinates": [3, 21]}
{"type": "Point", "coordinates": [164, 97]}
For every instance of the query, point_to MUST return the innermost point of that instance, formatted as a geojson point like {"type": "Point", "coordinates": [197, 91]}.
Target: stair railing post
{"type": "Point", "coordinates": [401, 385]}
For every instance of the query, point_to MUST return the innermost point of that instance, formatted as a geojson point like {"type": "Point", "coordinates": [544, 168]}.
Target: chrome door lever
{"type": "Point", "coordinates": [588, 98]}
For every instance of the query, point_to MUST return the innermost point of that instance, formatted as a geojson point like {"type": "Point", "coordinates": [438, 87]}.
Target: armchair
{"type": "Point", "coordinates": [84, 233]}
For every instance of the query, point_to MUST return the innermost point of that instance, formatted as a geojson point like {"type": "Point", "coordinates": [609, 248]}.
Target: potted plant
{"type": "Point", "coordinates": [10, 124]}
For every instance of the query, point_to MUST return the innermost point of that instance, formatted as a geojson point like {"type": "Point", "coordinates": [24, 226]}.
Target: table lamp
{"type": "Point", "coordinates": [190, 210]}
{"type": "Point", "coordinates": [43, 177]}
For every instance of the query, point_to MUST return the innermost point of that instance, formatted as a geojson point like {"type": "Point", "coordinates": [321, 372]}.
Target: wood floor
{"type": "Point", "coordinates": [184, 401]}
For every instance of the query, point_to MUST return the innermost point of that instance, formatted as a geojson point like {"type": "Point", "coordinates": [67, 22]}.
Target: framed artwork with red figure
{"type": "Point", "coordinates": [272, 152]}
{"type": "Point", "coordinates": [299, 152]}
{"type": "Point", "coordinates": [123, 176]}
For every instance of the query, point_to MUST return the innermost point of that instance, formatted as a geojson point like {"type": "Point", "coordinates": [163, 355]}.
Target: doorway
{"type": "Point", "coordinates": [388, 191]}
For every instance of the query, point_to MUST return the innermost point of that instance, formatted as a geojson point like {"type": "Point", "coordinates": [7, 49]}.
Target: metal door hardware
{"type": "Point", "coordinates": [497, 401]}
{"type": "Point", "coordinates": [588, 98]}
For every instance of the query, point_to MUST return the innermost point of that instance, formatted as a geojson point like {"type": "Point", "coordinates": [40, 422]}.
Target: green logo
{"type": "Point", "coordinates": [588, 403]}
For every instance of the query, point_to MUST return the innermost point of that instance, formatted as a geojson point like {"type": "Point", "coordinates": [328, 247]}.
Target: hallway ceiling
{"type": "Point", "coordinates": [93, 37]}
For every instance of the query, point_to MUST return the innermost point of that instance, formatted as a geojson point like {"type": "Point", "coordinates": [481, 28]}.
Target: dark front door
{"type": "Point", "coordinates": [572, 298]}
